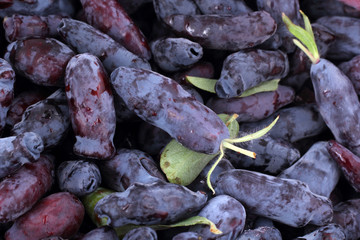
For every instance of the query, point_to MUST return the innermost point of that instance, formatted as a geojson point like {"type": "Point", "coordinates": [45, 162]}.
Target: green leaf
{"type": "Point", "coordinates": [205, 84]}
{"type": "Point", "coordinates": [121, 231]}
{"type": "Point", "coordinates": [304, 49]}
{"type": "Point", "coordinates": [306, 37]}
{"type": "Point", "coordinates": [267, 86]}
{"type": "Point", "coordinates": [190, 222]}
{"type": "Point", "coordinates": [307, 24]}
{"type": "Point", "coordinates": [182, 165]}
{"type": "Point", "coordinates": [231, 124]}
{"type": "Point", "coordinates": [89, 201]}
{"type": "Point", "coordinates": [208, 85]}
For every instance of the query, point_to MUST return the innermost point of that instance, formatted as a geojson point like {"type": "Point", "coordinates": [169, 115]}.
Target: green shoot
{"type": "Point", "coordinates": [231, 119]}
{"type": "Point", "coordinates": [230, 146]}
{"type": "Point", "coordinates": [306, 39]}
{"type": "Point", "coordinates": [254, 135]}
{"type": "Point", "coordinates": [227, 144]}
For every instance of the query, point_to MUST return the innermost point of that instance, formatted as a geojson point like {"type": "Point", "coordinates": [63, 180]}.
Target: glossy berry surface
{"type": "Point", "coordinates": [91, 104]}
{"type": "Point", "coordinates": [164, 103]}
{"type": "Point", "coordinates": [129, 207]}
{"type": "Point", "coordinates": [108, 106]}
{"type": "Point", "coordinates": [59, 214]}
{"type": "Point", "coordinates": [41, 60]}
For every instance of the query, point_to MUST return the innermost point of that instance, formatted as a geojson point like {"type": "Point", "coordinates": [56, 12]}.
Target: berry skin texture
{"type": "Point", "coordinates": [20, 191]}
{"type": "Point", "coordinates": [154, 203]}
{"type": "Point", "coordinates": [162, 102]}
{"type": "Point", "coordinates": [231, 33]}
{"type": "Point", "coordinates": [59, 214]}
{"type": "Point", "coordinates": [285, 200]}
{"type": "Point", "coordinates": [7, 80]}
{"type": "Point", "coordinates": [43, 61]}
{"type": "Point", "coordinates": [109, 17]}
{"type": "Point", "coordinates": [248, 68]}
{"type": "Point", "coordinates": [338, 103]}
{"type": "Point", "coordinates": [91, 104]}
{"type": "Point", "coordinates": [84, 38]}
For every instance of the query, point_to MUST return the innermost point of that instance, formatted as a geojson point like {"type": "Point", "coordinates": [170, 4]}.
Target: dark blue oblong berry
{"type": "Point", "coordinates": [91, 104]}
{"type": "Point", "coordinates": [153, 203]}
{"type": "Point", "coordinates": [130, 166]}
{"type": "Point", "coordinates": [162, 102]}
{"type": "Point", "coordinates": [78, 177]}
{"type": "Point", "coordinates": [173, 54]}
{"type": "Point", "coordinates": [18, 150]}
{"type": "Point", "coordinates": [248, 68]}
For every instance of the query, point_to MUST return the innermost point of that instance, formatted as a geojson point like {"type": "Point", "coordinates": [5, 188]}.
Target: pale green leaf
{"type": "Point", "coordinates": [89, 201]}
{"type": "Point", "coordinates": [231, 124]}
{"type": "Point", "coordinates": [208, 85]}
{"type": "Point", "coordinates": [267, 86]}
{"type": "Point", "coordinates": [307, 24]}
{"type": "Point", "coordinates": [205, 84]}
{"type": "Point", "coordinates": [304, 36]}
{"type": "Point", "coordinates": [190, 222]}
{"type": "Point", "coordinates": [182, 165]}
{"type": "Point", "coordinates": [305, 50]}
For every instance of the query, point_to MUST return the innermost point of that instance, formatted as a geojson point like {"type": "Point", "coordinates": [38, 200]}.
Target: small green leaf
{"type": "Point", "coordinates": [191, 222]}
{"type": "Point", "coordinates": [231, 124]}
{"type": "Point", "coordinates": [307, 24]}
{"type": "Point", "coordinates": [306, 37]}
{"type": "Point", "coordinates": [305, 50]}
{"type": "Point", "coordinates": [267, 86]}
{"type": "Point", "coordinates": [182, 165]}
{"type": "Point", "coordinates": [121, 231]}
{"type": "Point", "coordinates": [205, 84]}
{"type": "Point", "coordinates": [208, 85]}
{"type": "Point", "coordinates": [89, 201]}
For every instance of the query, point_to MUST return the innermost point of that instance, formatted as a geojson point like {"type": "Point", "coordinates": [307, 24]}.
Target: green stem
{"type": "Point", "coordinates": [227, 144]}
{"type": "Point", "coordinates": [238, 149]}
{"type": "Point", "coordinates": [254, 135]}
{"type": "Point", "coordinates": [208, 177]}
{"type": "Point", "coordinates": [231, 119]}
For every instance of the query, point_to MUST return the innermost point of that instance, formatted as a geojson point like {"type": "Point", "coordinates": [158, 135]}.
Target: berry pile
{"type": "Point", "coordinates": [168, 119]}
